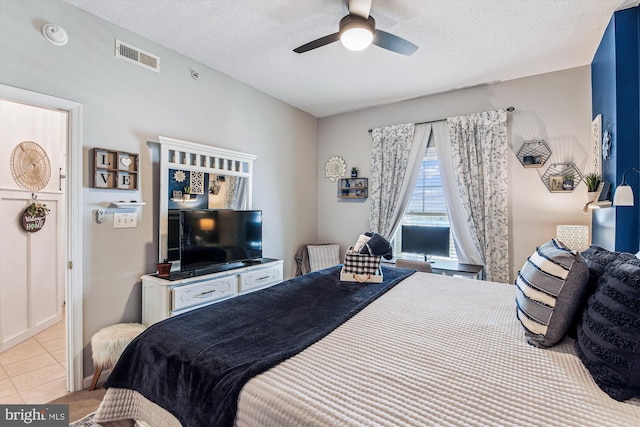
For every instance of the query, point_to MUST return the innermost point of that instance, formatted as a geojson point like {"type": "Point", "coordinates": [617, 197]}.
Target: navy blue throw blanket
{"type": "Point", "coordinates": [195, 364]}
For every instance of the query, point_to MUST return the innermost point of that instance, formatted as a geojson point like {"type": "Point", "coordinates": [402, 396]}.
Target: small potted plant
{"type": "Point", "coordinates": [593, 181]}
{"type": "Point", "coordinates": [354, 172]}
{"type": "Point", "coordinates": [38, 210]}
{"type": "Point", "coordinates": [567, 181]}
{"type": "Point", "coordinates": [164, 268]}
{"type": "Point", "coordinates": [186, 192]}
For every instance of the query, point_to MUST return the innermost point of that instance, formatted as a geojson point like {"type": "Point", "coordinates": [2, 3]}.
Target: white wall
{"type": "Point", "coordinates": [555, 107]}
{"type": "Point", "coordinates": [126, 106]}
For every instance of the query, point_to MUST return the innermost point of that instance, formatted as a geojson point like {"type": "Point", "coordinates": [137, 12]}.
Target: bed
{"type": "Point", "coordinates": [430, 350]}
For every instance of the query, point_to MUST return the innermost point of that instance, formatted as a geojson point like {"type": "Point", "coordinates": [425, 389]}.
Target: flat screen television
{"type": "Point", "coordinates": [215, 237]}
{"type": "Point", "coordinates": [425, 240]}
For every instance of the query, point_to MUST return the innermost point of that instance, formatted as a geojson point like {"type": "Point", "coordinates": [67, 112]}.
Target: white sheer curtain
{"type": "Point", "coordinates": [396, 157]}
{"type": "Point", "coordinates": [466, 247]}
{"type": "Point", "coordinates": [479, 156]}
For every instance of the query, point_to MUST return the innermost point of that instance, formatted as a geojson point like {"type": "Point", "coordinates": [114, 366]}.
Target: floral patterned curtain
{"type": "Point", "coordinates": [479, 154]}
{"type": "Point", "coordinates": [231, 196]}
{"type": "Point", "coordinates": [389, 159]}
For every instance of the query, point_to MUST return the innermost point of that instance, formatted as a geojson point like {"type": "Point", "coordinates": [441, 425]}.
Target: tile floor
{"type": "Point", "coordinates": [34, 371]}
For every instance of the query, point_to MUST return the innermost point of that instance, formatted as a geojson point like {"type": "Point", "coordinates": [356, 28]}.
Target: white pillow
{"type": "Point", "coordinates": [323, 256]}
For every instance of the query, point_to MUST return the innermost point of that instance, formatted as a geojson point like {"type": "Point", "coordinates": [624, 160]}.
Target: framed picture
{"type": "Point", "coordinates": [555, 183]}
{"type": "Point", "coordinates": [177, 194]}
{"type": "Point", "coordinates": [596, 142]}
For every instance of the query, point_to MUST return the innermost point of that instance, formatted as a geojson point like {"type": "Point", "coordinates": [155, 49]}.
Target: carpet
{"type": "Point", "coordinates": [81, 403]}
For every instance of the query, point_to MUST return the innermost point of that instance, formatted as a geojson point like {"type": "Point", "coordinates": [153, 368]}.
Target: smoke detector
{"type": "Point", "coordinates": [55, 34]}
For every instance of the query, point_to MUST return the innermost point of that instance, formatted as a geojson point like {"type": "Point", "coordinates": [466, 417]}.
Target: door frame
{"type": "Point", "coordinates": [73, 189]}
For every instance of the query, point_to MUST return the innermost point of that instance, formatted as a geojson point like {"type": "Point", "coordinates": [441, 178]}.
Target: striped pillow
{"type": "Point", "coordinates": [323, 256]}
{"type": "Point", "coordinates": [549, 289]}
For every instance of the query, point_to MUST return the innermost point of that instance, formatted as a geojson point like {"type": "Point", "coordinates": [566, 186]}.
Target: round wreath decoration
{"type": "Point", "coordinates": [335, 168]}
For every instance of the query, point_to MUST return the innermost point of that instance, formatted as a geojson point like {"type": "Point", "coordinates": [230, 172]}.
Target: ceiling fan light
{"type": "Point", "coordinates": [356, 32]}
{"type": "Point", "coordinates": [356, 38]}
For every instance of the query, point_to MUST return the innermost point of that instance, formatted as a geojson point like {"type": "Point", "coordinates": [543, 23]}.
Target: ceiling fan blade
{"type": "Point", "coordinates": [360, 7]}
{"type": "Point", "coordinates": [322, 41]}
{"type": "Point", "coordinates": [394, 43]}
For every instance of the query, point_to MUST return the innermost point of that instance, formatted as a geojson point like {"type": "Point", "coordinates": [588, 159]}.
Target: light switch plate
{"type": "Point", "coordinates": [125, 220]}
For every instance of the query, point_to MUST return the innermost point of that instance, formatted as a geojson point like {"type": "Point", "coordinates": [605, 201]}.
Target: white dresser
{"type": "Point", "coordinates": [163, 298]}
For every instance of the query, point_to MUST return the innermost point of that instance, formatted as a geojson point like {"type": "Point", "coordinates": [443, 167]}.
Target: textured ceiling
{"type": "Point", "coordinates": [461, 43]}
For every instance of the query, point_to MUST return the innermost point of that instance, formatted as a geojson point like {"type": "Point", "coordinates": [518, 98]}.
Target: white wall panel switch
{"type": "Point", "coordinates": [125, 220]}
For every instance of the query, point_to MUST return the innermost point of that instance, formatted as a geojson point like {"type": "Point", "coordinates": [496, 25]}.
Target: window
{"type": "Point", "coordinates": [427, 206]}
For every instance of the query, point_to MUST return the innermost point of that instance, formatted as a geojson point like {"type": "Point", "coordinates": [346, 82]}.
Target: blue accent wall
{"type": "Point", "coordinates": [615, 81]}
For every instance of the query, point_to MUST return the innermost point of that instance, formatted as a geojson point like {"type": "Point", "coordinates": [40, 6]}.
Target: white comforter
{"type": "Point", "coordinates": [433, 351]}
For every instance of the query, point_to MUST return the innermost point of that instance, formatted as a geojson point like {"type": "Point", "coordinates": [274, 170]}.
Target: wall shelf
{"type": "Point", "coordinates": [122, 205]}
{"type": "Point", "coordinates": [553, 177]}
{"type": "Point", "coordinates": [353, 188]}
{"type": "Point", "coordinates": [183, 200]}
{"type": "Point", "coordinates": [534, 153]}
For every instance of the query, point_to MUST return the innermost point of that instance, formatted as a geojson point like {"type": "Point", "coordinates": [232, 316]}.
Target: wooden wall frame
{"type": "Point", "coordinates": [114, 169]}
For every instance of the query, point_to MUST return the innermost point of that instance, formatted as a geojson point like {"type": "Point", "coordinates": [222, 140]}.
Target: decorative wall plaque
{"type": "Point", "coordinates": [116, 170]}
{"type": "Point", "coordinates": [596, 141]}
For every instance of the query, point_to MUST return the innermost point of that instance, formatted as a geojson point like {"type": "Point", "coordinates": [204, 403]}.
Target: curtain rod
{"type": "Point", "coordinates": [508, 109]}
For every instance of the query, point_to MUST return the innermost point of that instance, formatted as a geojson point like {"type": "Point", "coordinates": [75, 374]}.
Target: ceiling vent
{"type": "Point", "coordinates": [137, 56]}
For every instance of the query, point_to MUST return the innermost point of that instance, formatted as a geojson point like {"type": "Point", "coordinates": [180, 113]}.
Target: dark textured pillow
{"type": "Point", "coordinates": [597, 259]}
{"type": "Point", "coordinates": [549, 289]}
{"type": "Point", "coordinates": [609, 335]}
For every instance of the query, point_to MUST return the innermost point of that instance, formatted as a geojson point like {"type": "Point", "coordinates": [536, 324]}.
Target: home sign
{"type": "Point", "coordinates": [32, 223]}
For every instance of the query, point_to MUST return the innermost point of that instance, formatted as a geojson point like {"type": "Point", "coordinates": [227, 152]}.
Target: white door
{"type": "Point", "coordinates": [32, 264]}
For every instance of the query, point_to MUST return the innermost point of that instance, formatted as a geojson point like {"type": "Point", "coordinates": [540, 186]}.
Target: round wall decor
{"type": "Point", "coordinates": [32, 223]}
{"type": "Point", "coordinates": [30, 166]}
{"type": "Point", "coordinates": [335, 168]}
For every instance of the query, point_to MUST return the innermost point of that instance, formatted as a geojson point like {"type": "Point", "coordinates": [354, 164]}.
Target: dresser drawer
{"type": "Point", "coordinates": [262, 278]}
{"type": "Point", "coordinates": [203, 292]}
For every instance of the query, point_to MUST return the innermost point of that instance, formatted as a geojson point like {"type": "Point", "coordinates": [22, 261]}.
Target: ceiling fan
{"type": "Point", "coordinates": [358, 31]}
